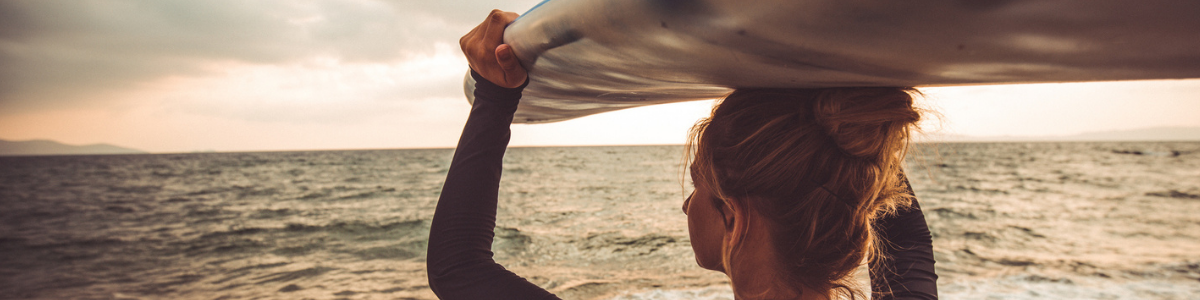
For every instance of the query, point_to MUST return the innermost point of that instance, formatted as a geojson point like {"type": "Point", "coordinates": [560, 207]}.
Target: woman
{"type": "Point", "coordinates": [793, 189]}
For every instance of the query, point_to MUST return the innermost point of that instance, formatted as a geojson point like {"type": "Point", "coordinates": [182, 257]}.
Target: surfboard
{"type": "Point", "coordinates": [591, 56]}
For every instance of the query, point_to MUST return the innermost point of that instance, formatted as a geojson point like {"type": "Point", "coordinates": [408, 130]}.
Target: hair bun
{"type": "Point", "coordinates": [866, 122]}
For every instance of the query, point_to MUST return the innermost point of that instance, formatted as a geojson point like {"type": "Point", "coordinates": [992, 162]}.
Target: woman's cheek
{"type": "Point", "coordinates": [707, 234]}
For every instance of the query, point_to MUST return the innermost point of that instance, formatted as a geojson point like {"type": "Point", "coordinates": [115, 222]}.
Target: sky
{"type": "Point", "coordinates": [232, 75]}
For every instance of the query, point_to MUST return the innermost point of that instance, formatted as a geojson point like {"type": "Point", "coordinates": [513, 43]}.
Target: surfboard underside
{"type": "Point", "coordinates": [592, 56]}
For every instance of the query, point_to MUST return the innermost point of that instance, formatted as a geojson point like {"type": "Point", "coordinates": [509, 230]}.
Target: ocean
{"type": "Point", "coordinates": [1010, 221]}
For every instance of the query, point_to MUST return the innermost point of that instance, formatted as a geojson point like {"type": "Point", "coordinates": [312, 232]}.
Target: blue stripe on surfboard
{"type": "Point", "coordinates": [531, 9]}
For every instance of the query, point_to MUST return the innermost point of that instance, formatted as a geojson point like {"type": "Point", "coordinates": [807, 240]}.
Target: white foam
{"type": "Point", "coordinates": [1009, 288]}
{"type": "Point", "coordinates": [1019, 288]}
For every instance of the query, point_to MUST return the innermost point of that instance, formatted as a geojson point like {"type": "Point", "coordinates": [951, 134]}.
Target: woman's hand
{"type": "Point", "coordinates": [489, 56]}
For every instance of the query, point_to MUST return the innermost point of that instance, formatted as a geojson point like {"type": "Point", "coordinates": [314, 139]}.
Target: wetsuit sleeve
{"type": "Point", "coordinates": [459, 259]}
{"type": "Point", "coordinates": [907, 272]}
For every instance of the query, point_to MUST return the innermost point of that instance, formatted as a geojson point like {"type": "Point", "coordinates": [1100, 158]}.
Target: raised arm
{"type": "Point", "coordinates": [459, 260]}
{"type": "Point", "coordinates": [907, 272]}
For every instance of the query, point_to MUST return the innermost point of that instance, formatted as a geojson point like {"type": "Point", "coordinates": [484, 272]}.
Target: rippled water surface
{"type": "Point", "coordinates": [1010, 221]}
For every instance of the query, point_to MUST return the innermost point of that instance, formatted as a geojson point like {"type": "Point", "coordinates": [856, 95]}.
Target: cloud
{"type": "Point", "coordinates": [61, 53]}
{"type": "Point", "coordinates": [319, 90]}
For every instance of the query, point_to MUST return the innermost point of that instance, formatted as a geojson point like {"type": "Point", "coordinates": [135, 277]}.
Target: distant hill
{"type": "Point", "coordinates": [1155, 134]}
{"type": "Point", "coordinates": [48, 147]}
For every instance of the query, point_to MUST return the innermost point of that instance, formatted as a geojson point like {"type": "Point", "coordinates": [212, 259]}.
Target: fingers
{"type": "Point", "coordinates": [514, 73]}
{"type": "Point", "coordinates": [505, 57]}
{"type": "Point", "coordinates": [496, 22]}
{"type": "Point", "coordinates": [488, 55]}
{"type": "Point", "coordinates": [501, 17]}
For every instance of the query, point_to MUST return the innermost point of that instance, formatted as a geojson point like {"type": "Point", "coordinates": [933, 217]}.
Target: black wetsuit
{"type": "Point", "coordinates": [460, 263]}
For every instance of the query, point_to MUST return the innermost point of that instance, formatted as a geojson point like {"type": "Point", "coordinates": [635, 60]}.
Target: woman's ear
{"type": "Point", "coordinates": [737, 226]}
{"type": "Point", "coordinates": [736, 219]}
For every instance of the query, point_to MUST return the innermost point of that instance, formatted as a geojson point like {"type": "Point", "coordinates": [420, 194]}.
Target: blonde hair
{"type": "Point", "coordinates": [819, 164]}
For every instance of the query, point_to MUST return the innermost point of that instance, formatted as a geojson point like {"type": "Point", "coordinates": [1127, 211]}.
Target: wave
{"type": "Point", "coordinates": [615, 242]}
{"type": "Point", "coordinates": [1174, 194]}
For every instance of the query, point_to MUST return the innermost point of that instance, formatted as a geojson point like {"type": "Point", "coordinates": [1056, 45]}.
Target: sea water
{"type": "Point", "coordinates": [1010, 221]}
